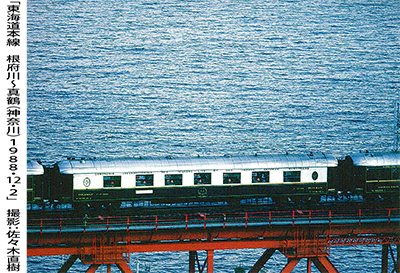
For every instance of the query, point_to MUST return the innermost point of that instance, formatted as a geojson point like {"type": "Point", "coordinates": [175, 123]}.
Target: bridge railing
{"type": "Point", "coordinates": [214, 220]}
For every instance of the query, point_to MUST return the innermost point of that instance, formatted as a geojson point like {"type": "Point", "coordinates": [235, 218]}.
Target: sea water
{"type": "Point", "coordinates": [111, 79]}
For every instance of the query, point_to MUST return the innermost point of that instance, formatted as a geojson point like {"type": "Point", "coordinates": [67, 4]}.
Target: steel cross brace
{"type": "Point", "coordinates": [323, 264]}
{"type": "Point", "coordinates": [67, 265]}
{"type": "Point", "coordinates": [262, 260]}
{"type": "Point", "coordinates": [122, 266]}
{"type": "Point", "coordinates": [209, 262]}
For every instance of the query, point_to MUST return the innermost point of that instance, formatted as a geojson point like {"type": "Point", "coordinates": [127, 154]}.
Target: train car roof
{"type": "Point", "coordinates": [376, 159]}
{"type": "Point", "coordinates": [34, 168]}
{"type": "Point", "coordinates": [76, 166]}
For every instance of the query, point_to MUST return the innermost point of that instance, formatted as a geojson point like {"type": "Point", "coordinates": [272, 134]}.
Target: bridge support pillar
{"type": "Point", "coordinates": [398, 259]}
{"type": "Point", "coordinates": [321, 261]}
{"type": "Point", "coordinates": [385, 258]}
{"type": "Point", "coordinates": [122, 266]}
{"type": "Point", "coordinates": [210, 261]}
{"type": "Point", "coordinates": [192, 261]}
{"type": "Point", "coordinates": [323, 264]}
{"type": "Point", "coordinates": [291, 264]}
{"type": "Point", "coordinates": [308, 265]}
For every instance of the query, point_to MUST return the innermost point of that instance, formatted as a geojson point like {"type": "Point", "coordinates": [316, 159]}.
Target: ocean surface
{"type": "Point", "coordinates": [112, 79]}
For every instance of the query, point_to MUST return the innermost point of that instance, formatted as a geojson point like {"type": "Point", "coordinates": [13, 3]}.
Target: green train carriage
{"type": "Point", "coordinates": [373, 174]}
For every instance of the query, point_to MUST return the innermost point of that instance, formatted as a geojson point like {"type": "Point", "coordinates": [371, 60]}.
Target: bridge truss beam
{"type": "Point", "coordinates": [295, 242]}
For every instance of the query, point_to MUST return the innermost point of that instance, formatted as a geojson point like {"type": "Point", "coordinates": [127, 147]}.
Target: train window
{"type": "Point", "coordinates": [111, 181]}
{"type": "Point", "coordinates": [381, 174]}
{"type": "Point", "coordinates": [396, 173]}
{"type": "Point", "coordinates": [372, 174]}
{"type": "Point", "coordinates": [202, 178]}
{"type": "Point", "coordinates": [173, 179]}
{"type": "Point", "coordinates": [386, 174]}
{"type": "Point", "coordinates": [231, 178]}
{"type": "Point", "coordinates": [260, 177]}
{"type": "Point", "coordinates": [143, 180]}
{"type": "Point", "coordinates": [292, 176]}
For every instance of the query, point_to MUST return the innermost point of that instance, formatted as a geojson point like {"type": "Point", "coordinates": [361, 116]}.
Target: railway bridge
{"type": "Point", "coordinates": [298, 234]}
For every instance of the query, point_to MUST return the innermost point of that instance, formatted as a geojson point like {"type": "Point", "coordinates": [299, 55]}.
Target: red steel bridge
{"type": "Point", "coordinates": [298, 234]}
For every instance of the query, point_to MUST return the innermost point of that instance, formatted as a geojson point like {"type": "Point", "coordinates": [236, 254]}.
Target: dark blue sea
{"type": "Point", "coordinates": [187, 78]}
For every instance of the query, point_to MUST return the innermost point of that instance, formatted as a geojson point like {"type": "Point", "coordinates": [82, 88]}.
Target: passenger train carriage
{"type": "Point", "coordinates": [95, 182]}
{"type": "Point", "coordinates": [373, 174]}
{"type": "Point", "coordinates": [35, 186]}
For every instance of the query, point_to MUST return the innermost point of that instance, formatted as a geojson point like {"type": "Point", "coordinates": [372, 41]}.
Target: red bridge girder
{"type": "Point", "coordinates": [268, 235]}
{"type": "Point", "coordinates": [295, 241]}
